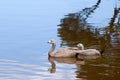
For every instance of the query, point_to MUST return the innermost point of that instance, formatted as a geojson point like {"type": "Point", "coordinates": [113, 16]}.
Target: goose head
{"type": "Point", "coordinates": [51, 42]}
{"type": "Point", "coordinates": [80, 46]}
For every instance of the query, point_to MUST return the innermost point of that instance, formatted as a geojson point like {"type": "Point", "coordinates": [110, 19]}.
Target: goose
{"type": "Point", "coordinates": [64, 52]}
{"type": "Point", "coordinates": [87, 52]}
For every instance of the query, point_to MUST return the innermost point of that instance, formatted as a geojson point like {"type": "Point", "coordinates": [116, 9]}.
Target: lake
{"type": "Point", "coordinates": [27, 25]}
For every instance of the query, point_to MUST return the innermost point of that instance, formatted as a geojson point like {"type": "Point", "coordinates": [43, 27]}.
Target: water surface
{"type": "Point", "coordinates": [27, 25]}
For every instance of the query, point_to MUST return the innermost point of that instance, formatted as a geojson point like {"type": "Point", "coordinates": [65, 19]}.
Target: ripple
{"type": "Point", "coordinates": [10, 69]}
{"type": "Point", "coordinates": [15, 70]}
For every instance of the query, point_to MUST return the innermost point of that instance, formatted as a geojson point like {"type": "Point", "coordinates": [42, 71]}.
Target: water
{"type": "Point", "coordinates": [27, 25]}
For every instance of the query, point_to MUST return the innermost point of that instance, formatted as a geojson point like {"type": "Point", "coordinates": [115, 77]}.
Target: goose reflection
{"type": "Point", "coordinates": [77, 61]}
{"type": "Point", "coordinates": [63, 60]}
{"type": "Point", "coordinates": [80, 61]}
{"type": "Point", "coordinates": [53, 65]}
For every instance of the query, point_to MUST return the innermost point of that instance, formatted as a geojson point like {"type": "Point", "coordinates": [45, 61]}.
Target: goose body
{"type": "Point", "coordinates": [65, 52]}
{"type": "Point", "coordinates": [87, 52]}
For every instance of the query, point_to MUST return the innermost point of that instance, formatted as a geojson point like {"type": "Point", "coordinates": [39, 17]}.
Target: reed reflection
{"type": "Point", "coordinates": [101, 68]}
{"type": "Point", "coordinates": [74, 28]}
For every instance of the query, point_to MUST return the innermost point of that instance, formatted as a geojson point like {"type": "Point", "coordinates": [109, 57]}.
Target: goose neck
{"type": "Point", "coordinates": [51, 52]}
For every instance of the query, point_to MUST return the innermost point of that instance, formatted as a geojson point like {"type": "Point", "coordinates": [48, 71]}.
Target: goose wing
{"type": "Point", "coordinates": [88, 52]}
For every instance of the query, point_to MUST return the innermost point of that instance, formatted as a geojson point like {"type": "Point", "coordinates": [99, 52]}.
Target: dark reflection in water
{"type": "Point", "coordinates": [63, 60]}
{"type": "Point", "coordinates": [101, 69]}
{"type": "Point", "coordinates": [26, 26]}
{"type": "Point", "coordinates": [74, 28]}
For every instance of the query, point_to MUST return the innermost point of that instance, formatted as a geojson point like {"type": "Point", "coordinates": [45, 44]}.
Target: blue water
{"type": "Point", "coordinates": [25, 28]}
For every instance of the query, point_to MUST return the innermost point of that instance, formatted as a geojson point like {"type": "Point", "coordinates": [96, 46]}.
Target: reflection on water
{"type": "Point", "coordinates": [26, 25]}
{"type": "Point", "coordinates": [103, 68]}
{"type": "Point", "coordinates": [13, 70]}
{"type": "Point", "coordinates": [81, 31]}
{"type": "Point", "coordinates": [75, 28]}
{"type": "Point", "coordinates": [66, 62]}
